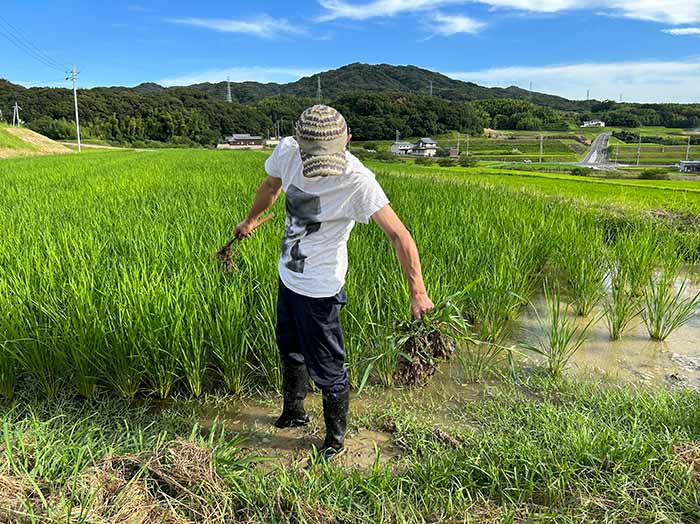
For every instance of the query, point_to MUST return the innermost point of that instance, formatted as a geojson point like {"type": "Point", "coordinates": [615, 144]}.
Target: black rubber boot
{"type": "Point", "coordinates": [295, 382]}
{"type": "Point", "coordinates": [335, 415]}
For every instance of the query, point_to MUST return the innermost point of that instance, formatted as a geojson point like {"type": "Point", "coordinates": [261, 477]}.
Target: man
{"type": "Point", "coordinates": [327, 190]}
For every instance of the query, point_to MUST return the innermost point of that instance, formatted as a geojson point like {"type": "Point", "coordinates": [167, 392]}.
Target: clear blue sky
{"type": "Point", "coordinates": [645, 50]}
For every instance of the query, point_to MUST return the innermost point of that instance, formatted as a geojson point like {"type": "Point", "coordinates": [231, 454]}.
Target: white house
{"type": "Point", "coordinates": [242, 141]}
{"type": "Point", "coordinates": [426, 147]}
{"type": "Point", "coordinates": [593, 123]}
{"type": "Point", "coordinates": [401, 148]}
{"type": "Point", "coordinates": [689, 166]}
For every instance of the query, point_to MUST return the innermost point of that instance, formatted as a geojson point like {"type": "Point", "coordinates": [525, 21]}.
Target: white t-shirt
{"type": "Point", "coordinates": [321, 212]}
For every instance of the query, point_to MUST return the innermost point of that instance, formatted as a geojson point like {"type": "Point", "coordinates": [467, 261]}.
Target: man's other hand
{"type": "Point", "coordinates": [244, 229]}
{"type": "Point", "coordinates": [420, 305]}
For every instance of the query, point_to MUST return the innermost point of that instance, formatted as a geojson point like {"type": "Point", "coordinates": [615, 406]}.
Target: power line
{"type": "Point", "coordinates": [23, 43]}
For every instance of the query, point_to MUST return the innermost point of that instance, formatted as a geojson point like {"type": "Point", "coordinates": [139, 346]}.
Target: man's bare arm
{"type": "Point", "coordinates": [267, 194]}
{"type": "Point", "coordinates": [407, 253]}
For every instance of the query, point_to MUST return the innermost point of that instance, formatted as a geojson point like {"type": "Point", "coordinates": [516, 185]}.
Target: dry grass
{"type": "Point", "coordinates": [36, 144]}
{"type": "Point", "coordinates": [172, 485]}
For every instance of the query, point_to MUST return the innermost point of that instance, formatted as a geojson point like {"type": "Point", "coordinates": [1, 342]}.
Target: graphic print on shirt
{"type": "Point", "coordinates": [303, 211]}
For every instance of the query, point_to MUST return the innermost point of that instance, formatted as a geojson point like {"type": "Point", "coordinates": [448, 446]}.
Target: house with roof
{"type": "Point", "coordinates": [689, 166]}
{"type": "Point", "coordinates": [242, 141]}
{"type": "Point", "coordinates": [593, 123]}
{"type": "Point", "coordinates": [426, 147]}
{"type": "Point", "coordinates": [401, 148]}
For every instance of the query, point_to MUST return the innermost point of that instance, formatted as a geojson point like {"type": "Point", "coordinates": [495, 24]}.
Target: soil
{"type": "Point", "coordinates": [254, 421]}
{"type": "Point", "coordinates": [420, 357]}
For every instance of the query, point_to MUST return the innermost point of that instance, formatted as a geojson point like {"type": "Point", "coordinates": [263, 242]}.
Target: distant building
{"type": "Point", "coordinates": [453, 152]}
{"type": "Point", "coordinates": [272, 142]}
{"type": "Point", "coordinates": [426, 147]}
{"type": "Point", "coordinates": [242, 141]}
{"type": "Point", "coordinates": [593, 123]}
{"type": "Point", "coordinates": [691, 166]}
{"type": "Point", "coordinates": [401, 148]}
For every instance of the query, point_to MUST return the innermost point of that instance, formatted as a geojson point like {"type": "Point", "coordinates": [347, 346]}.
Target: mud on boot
{"type": "Point", "coordinates": [335, 415]}
{"type": "Point", "coordinates": [295, 382]}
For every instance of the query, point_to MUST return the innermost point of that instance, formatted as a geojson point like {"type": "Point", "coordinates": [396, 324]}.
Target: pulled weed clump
{"type": "Point", "coordinates": [561, 337]}
{"type": "Point", "coordinates": [666, 308]}
{"type": "Point", "coordinates": [421, 344]}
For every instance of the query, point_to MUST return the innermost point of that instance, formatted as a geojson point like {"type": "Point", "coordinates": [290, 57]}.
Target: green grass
{"type": "Point", "coordinates": [9, 141]}
{"type": "Point", "coordinates": [678, 196]}
{"type": "Point", "coordinates": [540, 452]}
{"type": "Point", "coordinates": [108, 290]}
{"type": "Point", "coordinates": [108, 282]}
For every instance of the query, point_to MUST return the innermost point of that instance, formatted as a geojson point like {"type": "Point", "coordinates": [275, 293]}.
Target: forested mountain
{"type": "Point", "coordinates": [377, 100]}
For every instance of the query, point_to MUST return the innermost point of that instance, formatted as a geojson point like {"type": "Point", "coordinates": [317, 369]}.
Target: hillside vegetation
{"type": "Point", "coordinates": [377, 100]}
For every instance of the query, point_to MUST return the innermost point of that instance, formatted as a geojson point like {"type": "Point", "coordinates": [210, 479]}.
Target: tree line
{"type": "Point", "coordinates": [193, 116]}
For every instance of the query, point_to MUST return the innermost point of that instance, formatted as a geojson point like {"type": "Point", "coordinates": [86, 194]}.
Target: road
{"type": "Point", "coordinates": [597, 156]}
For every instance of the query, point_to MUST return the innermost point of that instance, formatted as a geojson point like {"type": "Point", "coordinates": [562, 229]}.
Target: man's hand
{"type": "Point", "coordinates": [420, 305]}
{"type": "Point", "coordinates": [244, 229]}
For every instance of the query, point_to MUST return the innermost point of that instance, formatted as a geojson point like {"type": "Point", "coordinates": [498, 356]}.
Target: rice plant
{"type": "Point", "coordinates": [665, 307]}
{"type": "Point", "coordinates": [479, 359]}
{"type": "Point", "coordinates": [561, 337]}
{"type": "Point", "coordinates": [581, 258]}
{"type": "Point", "coordinates": [623, 304]}
{"type": "Point", "coordinates": [106, 277]}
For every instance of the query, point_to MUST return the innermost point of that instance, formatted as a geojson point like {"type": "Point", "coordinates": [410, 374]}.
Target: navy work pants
{"type": "Point", "coordinates": [309, 332]}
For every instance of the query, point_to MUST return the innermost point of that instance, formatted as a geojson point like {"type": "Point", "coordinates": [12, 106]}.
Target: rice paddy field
{"type": "Point", "coordinates": [140, 380]}
{"type": "Point", "coordinates": [507, 146]}
{"type": "Point", "coordinates": [652, 154]}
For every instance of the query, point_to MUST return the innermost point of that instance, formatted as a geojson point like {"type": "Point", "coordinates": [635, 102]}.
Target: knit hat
{"type": "Point", "coordinates": [322, 135]}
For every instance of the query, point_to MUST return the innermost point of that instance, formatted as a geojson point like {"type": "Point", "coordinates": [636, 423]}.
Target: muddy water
{"type": "Point", "coordinates": [633, 359]}
{"type": "Point", "coordinates": [440, 404]}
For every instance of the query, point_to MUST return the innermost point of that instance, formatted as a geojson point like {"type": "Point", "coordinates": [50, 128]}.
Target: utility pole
{"type": "Point", "coordinates": [588, 94]}
{"type": "Point", "coordinates": [687, 150]}
{"type": "Point", "coordinates": [639, 148]}
{"type": "Point", "coordinates": [16, 121]}
{"type": "Point", "coordinates": [398, 136]}
{"type": "Point", "coordinates": [530, 85]}
{"type": "Point", "coordinates": [431, 88]}
{"type": "Point", "coordinates": [617, 154]}
{"type": "Point", "coordinates": [229, 98]}
{"type": "Point", "coordinates": [459, 142]}
{"type": "Point", "coordinates": [467, 145]}
{"type": "Point", "coordinates": [541, 147]}
{"type": "Point", "coordinates": [318, 89]}
{"type": "Point", "coordinates": [73, 77]}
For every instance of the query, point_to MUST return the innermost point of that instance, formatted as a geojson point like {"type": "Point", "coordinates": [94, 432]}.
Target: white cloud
{"type": "Point", "coordinates": [240, 74]}
{"type": "Point", "coordinates": [637, 81]}
{"type": "Point", "coordinates": [448, 25]}
{"type": "Point", "coordinates": [667, 11]}
{"type": "Point", "coordinates": [683, 31]}
{"type": "Point", "coordinates": [263, 26]}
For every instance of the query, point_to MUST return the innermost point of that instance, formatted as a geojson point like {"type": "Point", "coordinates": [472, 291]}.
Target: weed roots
{"type": "Point", "coordinates": [420, 357]}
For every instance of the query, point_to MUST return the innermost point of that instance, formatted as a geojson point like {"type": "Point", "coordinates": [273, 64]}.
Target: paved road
{"type": "Point", "coordinates": [597, 156]}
